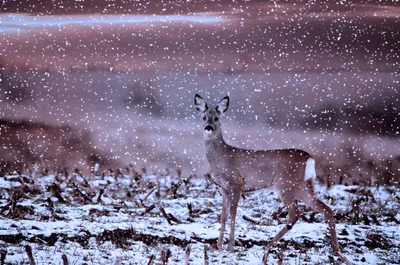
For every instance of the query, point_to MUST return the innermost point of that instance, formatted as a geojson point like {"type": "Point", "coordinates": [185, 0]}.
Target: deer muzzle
{"type": "Point", "coordinates": [208, 129]}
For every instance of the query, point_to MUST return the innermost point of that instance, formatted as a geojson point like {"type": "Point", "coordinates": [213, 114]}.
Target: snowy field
{"type": "Point", "coordinates": [113, 83]}
{"type": "Point", "coordinates": [120, 220]}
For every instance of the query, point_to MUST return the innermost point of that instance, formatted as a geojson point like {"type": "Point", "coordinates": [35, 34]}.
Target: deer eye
{"type": "Point", "coordinates": [216, 119]}
{"type": "Point", "coordinates": [204, 118]}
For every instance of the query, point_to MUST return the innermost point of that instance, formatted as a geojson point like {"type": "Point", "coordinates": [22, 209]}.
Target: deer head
{"type": "Point", "coordinates": [211, 123]}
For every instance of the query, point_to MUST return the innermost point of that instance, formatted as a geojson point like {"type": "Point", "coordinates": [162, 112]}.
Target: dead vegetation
{"type": "Point", "coordinates": [38, 147]}
{"type": "Point", "coordinates": [51, 197]}
{"type": "Point", "coordinates": [355, 167]}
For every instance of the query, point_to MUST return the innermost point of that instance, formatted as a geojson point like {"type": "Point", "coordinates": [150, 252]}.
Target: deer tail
{"type": "Point", "coordinates": [310, 174]}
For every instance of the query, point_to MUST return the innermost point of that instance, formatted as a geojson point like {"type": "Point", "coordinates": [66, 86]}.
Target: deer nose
{"type": "Point", "coordinates": [209, 128]}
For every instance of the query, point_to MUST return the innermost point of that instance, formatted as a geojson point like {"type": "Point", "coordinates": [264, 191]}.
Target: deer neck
{"type": "Point", "coordinates": [215, 140]}
{"type": "Point", "coordinates": [216, 148]}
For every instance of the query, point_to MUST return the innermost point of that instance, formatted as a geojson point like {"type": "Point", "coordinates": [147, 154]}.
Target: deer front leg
{"type": "Point", "coordinates": [234, 201]}
{"type": "Point", "coordinates": [224, 218]}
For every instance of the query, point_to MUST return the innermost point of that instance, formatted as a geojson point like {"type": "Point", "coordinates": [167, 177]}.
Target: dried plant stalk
{"type": "Point", "coordinates": [151, 260]}
{"type": "Point", "coordinates": [64, 259]}
{"type": "Point", "coordinates": [187, 255]}
{"type": "Point", "coordinates": [3, 255]}
{"type": "Point", "coordinates": [28, 250]}
{"type": "Point", "coordinates": [205, 254]}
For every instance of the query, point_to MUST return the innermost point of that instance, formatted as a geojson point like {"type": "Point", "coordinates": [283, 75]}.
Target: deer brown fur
{"type": "Point", "coordinates": [289, 171]}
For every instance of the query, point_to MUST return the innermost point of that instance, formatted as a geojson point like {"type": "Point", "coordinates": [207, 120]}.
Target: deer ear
{"type": "Point", "coordinates": [200, 103]}
{"type": "Point", "coordinates": [223, 105]}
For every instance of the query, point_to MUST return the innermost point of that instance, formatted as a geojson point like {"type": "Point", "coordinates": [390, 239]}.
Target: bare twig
{"type": "Point", "coordinates": [28, 250]}
{"type": "Point", "coordinates": [179, 173]}
{"type": "Point", "coordinates": [215, 191]}
{"type": "Point", "coordinates": [280, 257]}
{"type": "Point", "coordinates": [138, 204]}
{"type": "Point", "coordinates": [166, 216]}
{"type": "Point", "coordinates": [375, 220]}
{"type": "Point", "coordinates": [173, 218]}
{"type": "Point", "coordinates": [79, 173]}
{"type": "Point", "coordinates": [45, 171]}
{"type": "Point", "coordinates": [50, 205]}
{"type": "Point", "coordinates": [3, 255]}
{"type": "Point", "coordinates": [148, 209]}
{"type": "Point", "coordinates": [174, 190]}
{"type": "Point", "coordinates": [187, 255]}
{"type": "Point", "coordinates": [365, 219]}
{"type": "Point", "coordinates": [100, 194]}
{"type": "Point", "coordinates": [151, 260]}
{"type": "Point", "coordinates": [66, 173]}
{"type": "Point", "coordinates": [208, 181]}
{"type": "Point", "coordinates": [36, 173]}
{"type": "Point", "coordinates": [248, 219]}
{"type": "Point", "coordinates": [205, 254]}
{"type": "Point", "coordinates": [343, 257]}
{"type": "Point", "coordinates": [275, 215]}
{"type": "Point", "coordinates": [57, 173]}
{"type": "Point", "coordinates": [186, 182]}
{"type": "Point", "coordinates": [117, 173]}
{"type": "Point", "coordinates": [312, 217]}
{"type": "Point", "coordinates": [118, 261]}
{"type": "Point", "coordinates": [133, 176]}
{"type": "Point", "coordinates": [25, 187]}
{"type": "Point", "coordinates": [328, 182]}
{"type": "Point", "coordinates": [55, 191]}
{"type": "Point", "coordinates": [19, 172]}
{"type": "Point", "coordinates": [12, 203]}
{"type": "Point", "coordinates": [148, 194]}
{"type": "Point", "coordinates": [96, 169]}
{"type": "Point", "coordinates": [265, 258]}
{"type": "Point", "coordinates": [83, 195]}
{"type": "Point", "coordinates": [144, 170]}
{"type": "Point", "coordinates": [189, 205]}
{"type": "Point", "coordinates": [64, 259]}
{"type": "Point", "coordinates": [391, 218]}
{"type": "Point", "coordinates": [199, 193]}
{"type": "Point", "coordinates": [158, 193]}
{"type": "Point", "coordinates": [165, 255]}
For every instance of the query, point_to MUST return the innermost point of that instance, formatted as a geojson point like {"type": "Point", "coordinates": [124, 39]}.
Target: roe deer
{"type": "Point", "coordinates": [234, 170]}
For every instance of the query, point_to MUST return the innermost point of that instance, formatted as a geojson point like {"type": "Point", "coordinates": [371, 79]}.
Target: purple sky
{"type": "Point", "coordinates": [200, 35]}
{"type": "Point", "coordinates": [196, 37]}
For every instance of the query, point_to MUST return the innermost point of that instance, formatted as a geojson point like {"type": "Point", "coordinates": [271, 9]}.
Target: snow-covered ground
{"type": "Point", "coordinates": [115, 229]}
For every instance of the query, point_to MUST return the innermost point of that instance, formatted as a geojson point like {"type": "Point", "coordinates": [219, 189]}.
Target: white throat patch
{"type": "Point", "coordinates": [208, 131]}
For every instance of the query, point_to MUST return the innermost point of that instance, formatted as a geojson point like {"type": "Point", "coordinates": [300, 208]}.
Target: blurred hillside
{"type": "Point", "coordinates": [322, 76]}
{"type": "Point", "coordinates": [149, 120]}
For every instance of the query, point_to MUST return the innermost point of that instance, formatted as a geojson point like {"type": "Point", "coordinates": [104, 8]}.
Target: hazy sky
{"type": "Point", "coordinates": [200, 35]}
{"type": "Point", "coordinates": [358, 40]}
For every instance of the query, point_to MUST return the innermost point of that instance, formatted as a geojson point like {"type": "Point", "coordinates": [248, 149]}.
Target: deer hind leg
{"type": "Point", "coordinates": [318, 206]}
{"type": "Point", "coordinates": [224, 218]}
{"type": "Point", "coordinates": [293, 216]}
